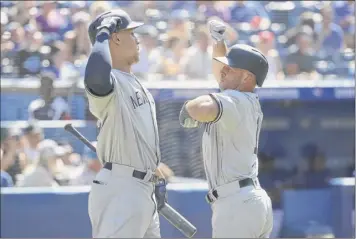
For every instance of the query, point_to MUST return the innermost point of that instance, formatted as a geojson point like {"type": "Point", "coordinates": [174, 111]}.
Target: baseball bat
{"type": "Point", "coordinates": [78, 135]}
{"type": "Point", "coordinates": [169, 213]}
{"type": "Point", "coordinates": [178, 221]}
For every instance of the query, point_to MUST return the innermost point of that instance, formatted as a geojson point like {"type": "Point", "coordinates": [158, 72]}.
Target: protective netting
{"type": "Point", "coordinates": [180, 148]}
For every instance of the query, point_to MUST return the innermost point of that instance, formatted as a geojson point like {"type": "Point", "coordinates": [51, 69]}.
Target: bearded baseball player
{"type": "Point", "coordinates": [122, 201]}
{"type": "Point", "coordinates": [232, 120]}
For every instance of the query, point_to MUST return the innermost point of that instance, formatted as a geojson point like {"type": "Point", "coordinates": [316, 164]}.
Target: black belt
{"type": "Point", "coordinates": [135, 174]}
{"type": "Point", "coordinates": [243, 183]}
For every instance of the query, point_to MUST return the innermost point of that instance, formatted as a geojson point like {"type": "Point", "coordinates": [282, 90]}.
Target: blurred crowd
{"type": "Point", "coordinates": [29, 159]}
{"type": "Point", "coordinates": [308, 38]}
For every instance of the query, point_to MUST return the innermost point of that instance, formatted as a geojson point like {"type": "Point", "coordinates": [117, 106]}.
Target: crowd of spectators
{"type": "Point", "coordinates": [29, 159]}
{"type": "Point", "coordinates": [311, 38]}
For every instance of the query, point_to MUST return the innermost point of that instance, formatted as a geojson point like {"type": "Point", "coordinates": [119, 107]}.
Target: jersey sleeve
{"type": "Point", "coordinates": [98, 105]}
{"type": "Point", "coordinates": [231, 107]}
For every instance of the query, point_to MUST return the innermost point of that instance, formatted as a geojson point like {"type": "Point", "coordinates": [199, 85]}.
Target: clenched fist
{"type": "Point", "coordinates": [217, 30]}
{"type": "Point", "coordinates": [110, 23]}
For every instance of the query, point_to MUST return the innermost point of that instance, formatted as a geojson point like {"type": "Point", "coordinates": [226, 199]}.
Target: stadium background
{"type": "Point", "coordinates": [308, 135]}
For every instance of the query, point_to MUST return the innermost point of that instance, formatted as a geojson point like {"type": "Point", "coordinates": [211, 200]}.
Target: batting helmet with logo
{"type": "Point", "coordinates": [248, 58]}
{"type": "Point", "coordinates": [124, 23]}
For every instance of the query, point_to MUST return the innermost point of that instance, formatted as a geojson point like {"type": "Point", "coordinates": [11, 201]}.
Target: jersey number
{"type": "Point", "coordinates": [257, 135]}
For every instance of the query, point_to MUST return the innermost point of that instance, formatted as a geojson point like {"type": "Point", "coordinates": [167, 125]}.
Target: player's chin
{"type": "Point", "coordinates": [136, 59]}
{"type": "Point", "coordinates": [220, 81]}
{"type": "Point", "coordinates": [222, 84]}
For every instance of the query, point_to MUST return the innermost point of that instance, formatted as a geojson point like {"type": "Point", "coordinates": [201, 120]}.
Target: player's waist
{"type": "Point", "coordinates": [128, 171]}
{"type": "Point", "coordinates": [231, 188]}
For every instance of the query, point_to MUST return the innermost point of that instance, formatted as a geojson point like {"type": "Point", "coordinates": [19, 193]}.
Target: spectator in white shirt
{"type": "Point", "coordinates": [197, 61]}
{"type": "Point", "coordinates": [33, 135]}
{"type": "Point", "coordinates": [42, 172]}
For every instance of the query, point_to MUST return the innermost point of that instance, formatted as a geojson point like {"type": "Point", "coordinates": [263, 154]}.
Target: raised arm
{"type": "Point", "coordinates": [97, 72]}
{"type": "Point", "coordinates": [219, 50]}
{"type": "Point", "coordinates": [217, 31]}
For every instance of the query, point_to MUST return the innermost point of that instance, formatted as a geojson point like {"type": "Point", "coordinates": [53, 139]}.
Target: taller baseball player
{"type": "Point", "coordinates": [122, 200]}
{"type": "Point", "coordinates": [232, 120]}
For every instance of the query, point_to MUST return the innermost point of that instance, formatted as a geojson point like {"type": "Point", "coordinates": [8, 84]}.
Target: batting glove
{"type": "Point", "coordinates": [185, 120]}
{"type": "Point", "coordinates": [110, 23]}
{"type": "Point", "coordinates": [217, 30]}
{"type": "Point", "coordinates": [161, 193]}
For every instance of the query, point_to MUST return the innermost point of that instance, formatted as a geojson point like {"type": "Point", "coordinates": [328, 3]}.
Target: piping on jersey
{"type": "Point", "coordinates": [154, 120]}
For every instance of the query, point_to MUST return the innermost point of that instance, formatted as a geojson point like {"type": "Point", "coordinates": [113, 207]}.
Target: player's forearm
{"type": "Point", "coordinates": [97, 72]}
{"type": "Point", "coordinates": [219, 50]}
{"type": "Point", "coordinates": [203, 109]}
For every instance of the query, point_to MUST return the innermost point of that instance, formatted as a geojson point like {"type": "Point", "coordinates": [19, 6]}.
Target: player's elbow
{"type": "Point", "coordinates": [97, 75]}
{"type": "Point", "coordinates": [203, 109]}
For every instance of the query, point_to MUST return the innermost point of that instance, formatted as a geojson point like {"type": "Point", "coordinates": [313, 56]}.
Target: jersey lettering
{"type": "Point", "coordinates": [127, 122]}
{"type": "Point", "coordinates": [138, 99]}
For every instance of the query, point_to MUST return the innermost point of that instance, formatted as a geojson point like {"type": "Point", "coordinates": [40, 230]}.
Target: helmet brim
{"type": "Point", "coordinates": [223, 60]}
{"type": "Point", "coordinates": [133, 25]}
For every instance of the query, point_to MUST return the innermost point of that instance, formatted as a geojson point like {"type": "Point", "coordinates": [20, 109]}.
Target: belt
{"type": "Point", "coordinates": [135, 173]}
{"type": "Point", "coordinates": [213, 195]}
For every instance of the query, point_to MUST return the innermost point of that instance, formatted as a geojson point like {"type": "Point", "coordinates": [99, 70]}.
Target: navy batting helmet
{"type": "Point", "coordinates": [125, 22]}
{"type": "Point", "coordinates": [248, 58]}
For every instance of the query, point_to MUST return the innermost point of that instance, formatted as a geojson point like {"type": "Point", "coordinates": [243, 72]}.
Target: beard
{"type": "Point", "coordinates": [134, 59]}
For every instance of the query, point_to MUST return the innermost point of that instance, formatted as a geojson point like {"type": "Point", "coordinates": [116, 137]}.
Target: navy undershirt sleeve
{"type": "Point", "coordinates": [97, 77]}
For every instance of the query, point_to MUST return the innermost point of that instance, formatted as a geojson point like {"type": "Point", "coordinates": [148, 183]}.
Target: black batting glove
{"type": "Point", "coordinates": [161, 193]}
{"type": "Point", "coordinates": [110, 23]}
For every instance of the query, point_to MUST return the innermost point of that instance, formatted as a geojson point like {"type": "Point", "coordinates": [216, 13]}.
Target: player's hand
{"type": "Point", "coordinates": [161, 193]}
{"type": "Point", "coordinates": [217, 30]}
{"type": "Point", "coordinates": [189, 123]}
{"type": "Point", "coordinates": [109, 23]}
{"type": "Point", "coordinates": [185, 120]}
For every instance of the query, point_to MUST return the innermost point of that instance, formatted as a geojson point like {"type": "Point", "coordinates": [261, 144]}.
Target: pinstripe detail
{"type": "Point", "coordinates": [221, 109]}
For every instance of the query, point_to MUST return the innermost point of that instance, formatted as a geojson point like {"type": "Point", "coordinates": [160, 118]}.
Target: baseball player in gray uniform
{"type": "Point", "coordinates": [232, 120]}
{"type": "Point", "coordinates": [122, 201]}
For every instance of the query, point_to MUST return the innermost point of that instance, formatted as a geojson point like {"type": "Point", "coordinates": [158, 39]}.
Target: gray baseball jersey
{"type": "Point", "coordinates": [127, 121]}
{"type": "Point", "coordinates": [230, 142]}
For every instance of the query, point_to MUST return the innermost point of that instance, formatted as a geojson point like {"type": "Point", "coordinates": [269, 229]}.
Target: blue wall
{"type": "Point", "coordinates": [62, 213]}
